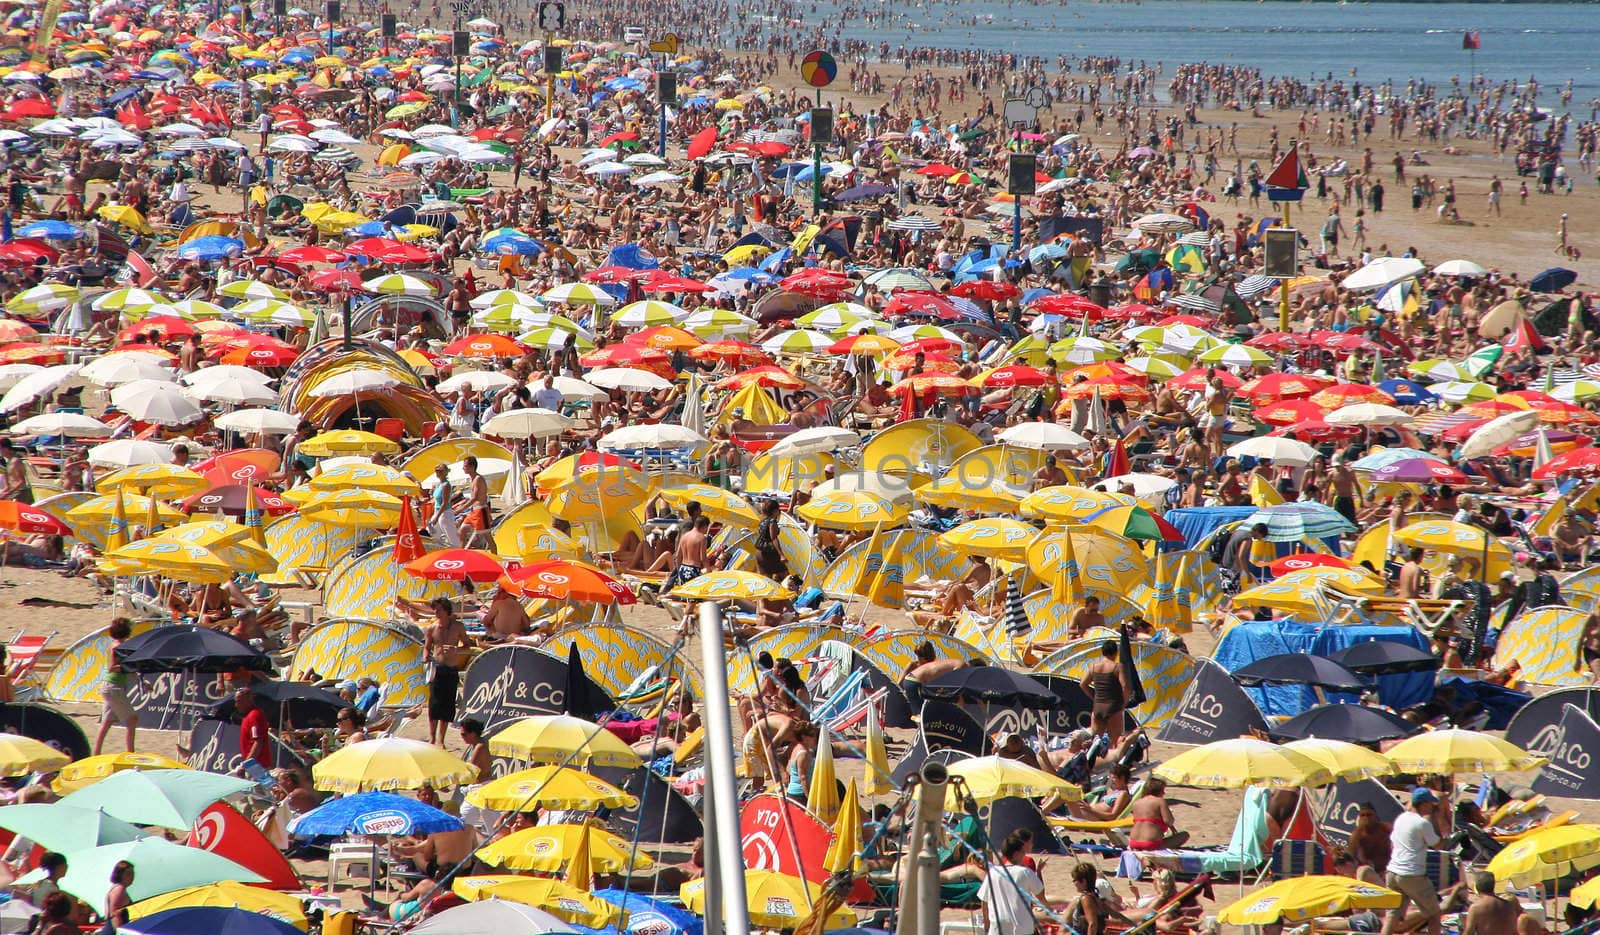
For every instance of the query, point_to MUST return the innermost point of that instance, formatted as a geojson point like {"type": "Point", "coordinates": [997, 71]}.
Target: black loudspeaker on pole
{"type": "Point", "coordinates": [1280, 252]}
{"type": "Point", "coordinates": [461, 42]}
{"type": "Point", "coordinates": [821, 126]}
{"type": "Point", "coordinates": [388, 25]}
{"type": "Point", "coordinates": [667, 87]}
{"type": "Point", "coordinates": [1020, 169]}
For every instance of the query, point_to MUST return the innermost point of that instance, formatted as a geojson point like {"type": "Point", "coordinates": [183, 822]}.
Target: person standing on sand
{"type": "Point", "coordinates": [1496, 188]}
{"type": "Point", "coordinates": [114, 689]}
{"type": "Point", "coordinates": [1407, 873]}
{"type": "Point", "coordinates": [1332, 229]}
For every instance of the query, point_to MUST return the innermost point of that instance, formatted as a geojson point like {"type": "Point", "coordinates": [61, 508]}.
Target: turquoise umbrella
{"type": "Point", "coordinates": [159, 866]}
{"type": "Point", "coordinates": [59, 827]}
{"type": "Point", "coordinates": [165, 798]}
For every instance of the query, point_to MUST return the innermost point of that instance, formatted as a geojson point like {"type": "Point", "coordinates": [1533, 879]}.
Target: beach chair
{"type": "Point", "coordinates": [1293, 857]}
{"type": "Point", "coordinates": [1245, 854]}
{"type": "Point", "coordinates": [24, 653]}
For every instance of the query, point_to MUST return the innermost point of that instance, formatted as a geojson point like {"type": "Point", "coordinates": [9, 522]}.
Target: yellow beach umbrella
{"type": "Point", "coordinates": [721, 505]}
{"type": "Point", "coordinates": [993, 777]}
{"type": "Point", "coordinates": [352, 509]}
{"type": "Point", "coordinates": [1452, 538]}
{"type": "Point", "coordinates": [550, 786]}
{"type": "Point", "coordinates": [548, 848]}
{"type": "Point", "coordinates": [155, 556]}
{"type": "Point", "coordinates": [1549, 854]}
{"type": "Point", "coordinates": [732, 586]}
{"type": "Point", "coordinates": [775, 900]}
{"type": "Point", "coordinates": [822, 792]}
{"type": "Point", "coordinates": [161, 480]}
{"type": "Point", "coordinates": [853, 510]}
{"type": "Point", "coordinates": [879, 773]}
{"type": "Point", "coordinates": [87, 772]}
{"type": "Point", "coordinates": [1243, 761]}
{"type": "Point", "coordinates": [207, 534]}
{"type": "Point", "coordinates": [844, 853]}
{"type": "Point", "coordinates": [957, 493]}
{"type": "Point", "coordinates": [101, 511]}
{"type": "Point", "coordinates": [379, 477]}
{"type": "Point", "coordinates": [554, 896]}
{"type": "Point", "coordinates": [126, 215]}
{"type": "Point", "coordinates": [1461, 751]}
{"type": "Point", "coordinates": [1344, 760]}
{"type": "Point", "coordinates": [346, 442]}
{"type": "Point", "coordinates": [595, 493]}
{"type": "Point", "coordinates": [1300, 898]}
{"type": "Point", "coordinates": [553, 737]}
{"type": "Point", "coordinates": [1069, 504]}
{"type": "Point", "coordinates": [226, 895]}
{"type": "Point", "coordinates": [1104, 560]}
{"type": "Point", "coordinates": [995, 536]}
{"type": "Point", "coordinates": [389, 764]}
{"type": "Point", "coordinates": [1298, 590]}
{"type": "Point", "coordinates": [20, 755]}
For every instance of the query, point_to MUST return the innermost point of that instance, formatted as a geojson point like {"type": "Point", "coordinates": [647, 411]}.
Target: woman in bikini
{"type": "Point", "coordinates": [1154, 828]}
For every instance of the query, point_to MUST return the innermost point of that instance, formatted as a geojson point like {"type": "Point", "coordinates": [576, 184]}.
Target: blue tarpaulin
{"type": "Point", "coordinates": [1248, 642]}
{"type": "Point", "coordinates": [1198, 522]}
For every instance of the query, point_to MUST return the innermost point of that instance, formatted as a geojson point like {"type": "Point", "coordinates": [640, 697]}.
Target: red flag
{"type": "Point", "coordinates": [1523, 336]}
{"type": "Point", "coordinates": [132, 115]}
{"type": "Point", "coordinates": [1470, 40]}
{"type": "Point", "coordinates": [1118, 465]}
{"type": "Point", "coordinates": [908, 406]}
{"type": "Point", "coordinates": [407, 543]}
{"type": "Point", "coordinates": [226, 833]}
{"type": "Point", "coordinates": [702, 143]}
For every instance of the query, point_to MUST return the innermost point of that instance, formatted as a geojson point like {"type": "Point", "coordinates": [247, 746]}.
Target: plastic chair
{"type": "Point", "coordinates": [392, 429]}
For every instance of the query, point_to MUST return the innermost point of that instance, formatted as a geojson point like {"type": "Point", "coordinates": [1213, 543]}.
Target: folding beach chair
{"type": "Point", "coordinates": [24, 653]}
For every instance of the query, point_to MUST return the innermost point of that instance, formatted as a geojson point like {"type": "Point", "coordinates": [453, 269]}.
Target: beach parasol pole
{"type": "Point", "coordinates": [728, 914]}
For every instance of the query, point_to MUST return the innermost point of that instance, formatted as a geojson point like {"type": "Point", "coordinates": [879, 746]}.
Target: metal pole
{"type": "Point", "coordinates": [722, 804]}
{"type": "Point", "coordinates": [816, 167]}
{"type": "Point", "coordinates": [549, 81]}
{"type": "Point", "coordinates": [661, 104]}
{"type": "Point", "coordinates": [918, 879]}
{"type": "Point", "coordinates": [455, 93]}
{"type": "Point", "coordinates": [1016, 224]}
{"type": "Point", "coordinates": [1283, 287]}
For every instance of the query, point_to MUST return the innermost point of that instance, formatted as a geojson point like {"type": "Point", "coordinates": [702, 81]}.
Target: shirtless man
{"type": "Point", "coordinates": [439, 850]}
{"type": "Point", "coordinates": [1413, 577]}
{"type": "Point", "coordinates": [690, 559]}
{"type": "Point", "coordinates": [1346, 490]}
{"type": "Point", "coordinates": [475, 516]}
{"type": "Point", "coordinates": [929, 666]}
{"type": "Point", "coordinates": [1085, 618]}
{"type": "Point", "coordinates": [505, 619]}
{"type": "Point", "coordinates": [1489, 914]}
{"type": "Point", "coordinates": [1049, 475]}
{"type": "Point", "coordinates": [444, 642]}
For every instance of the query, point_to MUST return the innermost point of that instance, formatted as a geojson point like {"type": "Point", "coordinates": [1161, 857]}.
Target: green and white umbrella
{"type": "Point", "coordinates": [899, 277]}
{"type": "Point", "coordinates": [274, 312]}
{"type": "Point", "coordinates": [1234, 355]}
{"type": "Point", "coordinates": [553, 338]}
{"type": "Point", "coordinates": [1154, 367]}
{"type": "Point", "coordinates": [509, 318]}
{"type": "Point", "coordinates": [836, 317]}
{"type": "Point", "coordinates": [650, 313]}
{"type": "Point", "coordinates": [128, 297]}
{"type": "Point", "coordinates": [399, 284]}
{"type": "Point", "coordinates": [497, 297]}
{"type": "Point", "coordinates": [713, 323]}
{"type": "Point", "coordinates": [1577, 391]}
{"type": "Point", "coordinates": [578, 293]}
{"type": "Point", "coordinates": [1081, 350]}
{"type": "Point", "coordinates": [1463, 391]}
{"type": "Point", "coordinates": [798, 341]}
{"type": "Point", "coordinates": [46, 297]}
{"type": "Point", "coordinates": [159, 866]}
{"type": "Point", "coordinates": [196, 310]}
{"type": "Point", "coordinates": [246, 289]}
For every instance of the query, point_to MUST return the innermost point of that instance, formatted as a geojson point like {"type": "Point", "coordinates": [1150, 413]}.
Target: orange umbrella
{"type": "Point", "coordinates": [771, 375]}
{"type": "Point", "coordinates": [1289, 412]}
{"type": "Point", "coordinates": [23, 353]}
{"type": "Point", "coordinates": [569, 580]}
{"type": "Point", "coordinates": [485, 345]}
{"type": "Point", "coordinates": [944, 383]}
{"type": "Point", "coordinates": [1107, 368]}
{"type": "Point", "coordinates": [407, 541]}
{"type": "Point", "coordinates": [664, 337]}
{"type": "Point", "coordinates": [25, 517]}
{"type": "Point", "coordinates": [1109, 388]}
{"type": "Point", "coordinates": [1345, 394]}
{"type": "Point", "coordinates": [738, 353]}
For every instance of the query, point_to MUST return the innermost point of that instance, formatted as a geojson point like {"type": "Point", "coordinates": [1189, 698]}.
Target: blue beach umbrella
{"type": "Point", "coordinates": [1406, 392]}
{"type": "Point", "coordinates": [648, 916]}
{"type": "Point", "coordinates": [213, 247]}
{"type": "Point", "coordinates": [51, 230]}
{"type": "Point", "coordinates": [373, 813]}
{"type": "Point", "coordinates": [211, 920]}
